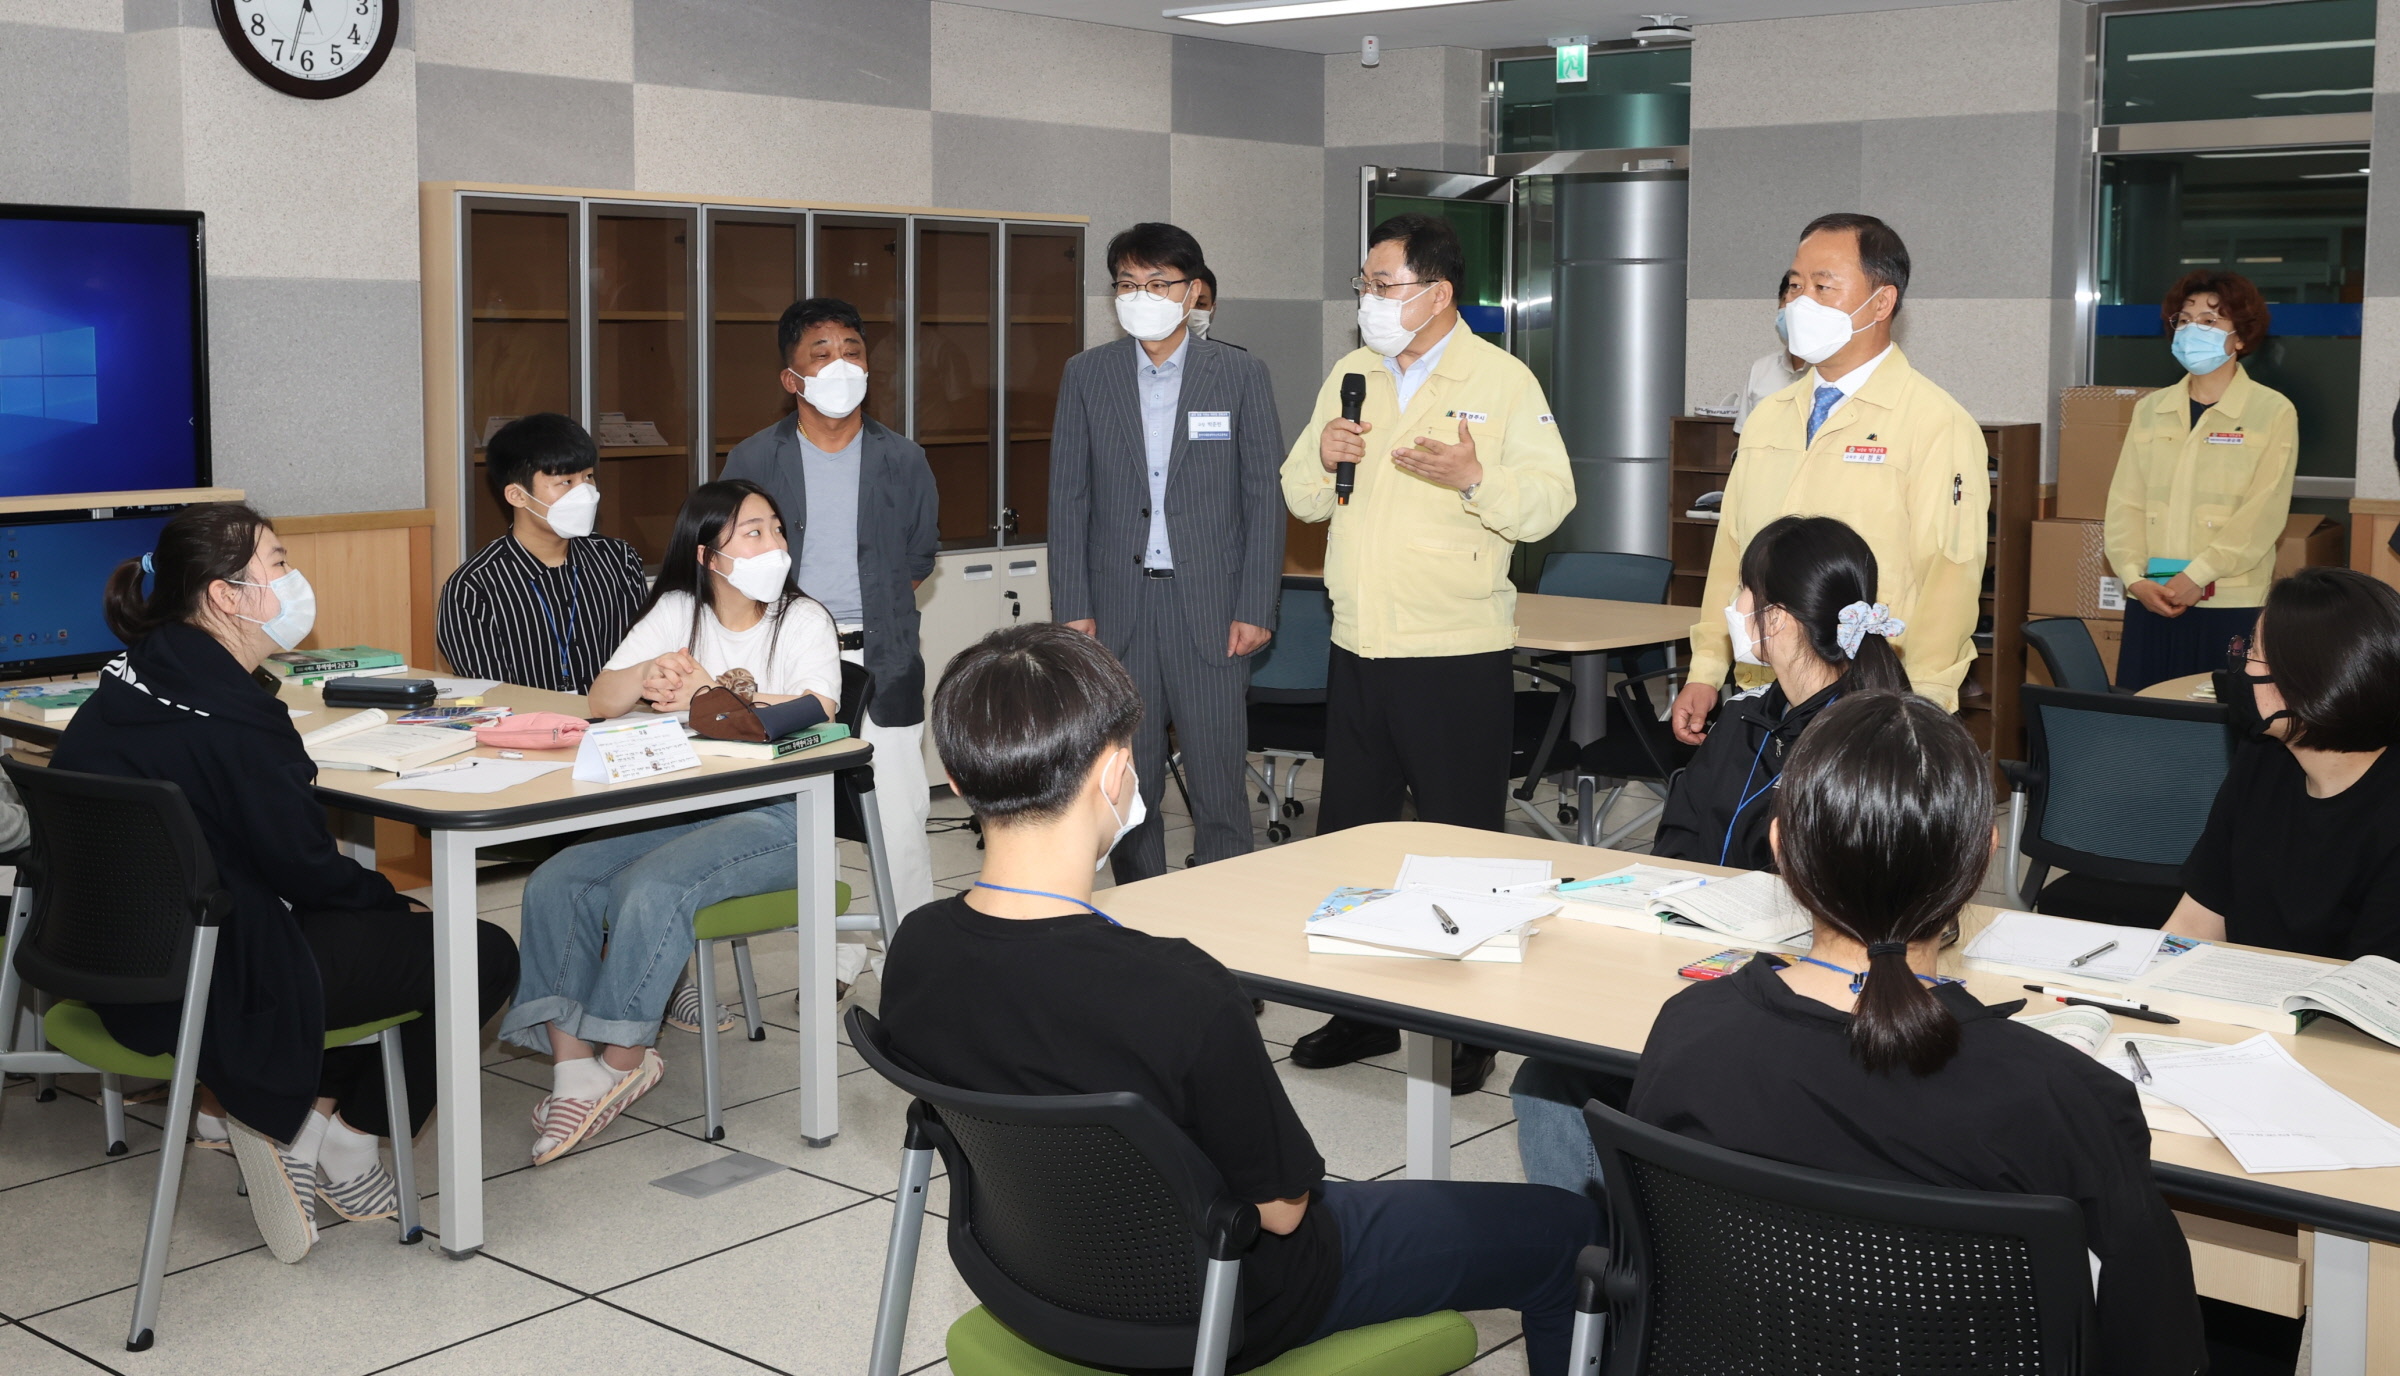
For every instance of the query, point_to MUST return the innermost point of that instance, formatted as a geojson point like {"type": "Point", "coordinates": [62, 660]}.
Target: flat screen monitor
{"type": "Point", "coordinates": [103, 351]}
{"type": "Point", "coordinates": [55, 566]}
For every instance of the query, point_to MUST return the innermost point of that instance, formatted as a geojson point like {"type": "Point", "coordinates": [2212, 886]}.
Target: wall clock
{"type": "Point", "coordinates": [313, 49]}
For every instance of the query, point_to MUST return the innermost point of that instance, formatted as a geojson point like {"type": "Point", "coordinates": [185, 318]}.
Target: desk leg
{"type": "Point", "coordinates": [457, 1042]}
{"type": "Point", "coordinates": [1428, 1106]}
{"type": "Point", "coordinates": [2338, 1307]}
{"type": "Point", "coordinates": [820, 1086]}
{"type": "Point", "coordinates": [1589, 721]}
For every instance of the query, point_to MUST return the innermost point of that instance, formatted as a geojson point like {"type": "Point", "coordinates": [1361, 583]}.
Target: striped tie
{"type": "Point", "coordinates": [1828, 397]}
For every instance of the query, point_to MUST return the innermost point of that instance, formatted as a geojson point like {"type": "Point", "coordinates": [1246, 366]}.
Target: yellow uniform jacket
{"type": "Point", "coordinates": [2214, 493]}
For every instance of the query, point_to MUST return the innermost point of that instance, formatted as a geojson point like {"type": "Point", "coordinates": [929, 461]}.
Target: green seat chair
{"type": "Point", "coordinates": [1097, 1237]}
{"type": "Point", "coordinates": [120, 904]}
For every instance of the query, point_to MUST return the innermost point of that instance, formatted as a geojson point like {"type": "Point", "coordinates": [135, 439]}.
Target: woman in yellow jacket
{"type": "Point", "coordinates": [2201, 488]}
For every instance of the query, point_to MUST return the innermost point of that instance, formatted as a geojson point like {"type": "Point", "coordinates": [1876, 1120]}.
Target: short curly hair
{"type": "Point", "coordinates": [2237, 300]}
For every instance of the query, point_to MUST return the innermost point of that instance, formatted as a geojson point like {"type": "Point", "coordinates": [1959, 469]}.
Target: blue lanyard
{"type": "Point", "coordinates": [1045, 893]}
{"type": "Point", "coordinates": [1763, 789]}
{"type": "Point", "coordinates": [566, 671]}
{"type": "Point", "coordinates": [1858, 978]}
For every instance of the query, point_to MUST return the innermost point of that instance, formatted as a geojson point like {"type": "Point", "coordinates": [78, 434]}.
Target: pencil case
{"type": "Point", "coordinates": [533, 731]}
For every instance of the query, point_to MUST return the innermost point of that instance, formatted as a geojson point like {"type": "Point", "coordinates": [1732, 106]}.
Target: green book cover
{"type": "Point", "coordinates": [302, 663]}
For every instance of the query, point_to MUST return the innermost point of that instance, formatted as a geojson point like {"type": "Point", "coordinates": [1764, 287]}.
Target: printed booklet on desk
{"type": "Point", "coordinates": [392, 748]}
{"type": "Point", "coordinates": [779, 748]}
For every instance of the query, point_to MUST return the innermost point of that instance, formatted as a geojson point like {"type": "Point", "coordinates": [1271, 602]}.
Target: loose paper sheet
{"type": "Point", "coordinates": [1468, 874]}
{"type": "Point", "coordinates": [2269, 1111]}
{"type": "Point", "coordinates": [483, 776]}
{"type": "Point", "coordinates": [1406, 920]}
{"type": "Point", "coordinates": [2052, 943]}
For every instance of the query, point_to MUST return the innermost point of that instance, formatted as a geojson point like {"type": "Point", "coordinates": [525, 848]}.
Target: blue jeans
{"type": "Point", "coordinates": [1413, 1247]}
{"type": "Point", "coordinates": [608, 923]}
{"type": "Point", "coordinates": [1553, 1144]}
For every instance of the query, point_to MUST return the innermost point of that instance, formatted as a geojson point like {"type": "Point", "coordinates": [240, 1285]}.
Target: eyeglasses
{"type": "Point", "coordinates": [2240, 654]}
{"type": "Point", "coordinates": [1156, 288]}
{"type": "Point", "coordinates": [1366, 287]}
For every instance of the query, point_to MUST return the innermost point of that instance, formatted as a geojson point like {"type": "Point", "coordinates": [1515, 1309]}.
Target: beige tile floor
{"type": "Point", "coordinates": [589, 1269]}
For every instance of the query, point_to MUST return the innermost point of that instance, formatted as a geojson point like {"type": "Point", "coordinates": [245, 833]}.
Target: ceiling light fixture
{"type": "Point", "coordinates": [1268, 11]}
{"type": "Point", "coordinates": [2305, 95]}
{"type": "Point", "coordinates": [2326, 45]}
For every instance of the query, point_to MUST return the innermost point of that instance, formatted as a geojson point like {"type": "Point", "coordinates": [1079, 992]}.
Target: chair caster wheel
{"type": "Point", "coordinates": [140, 1342]}
{"type": "Point", "coordinates": [716, 1134]}
{"type": "Point", "coordinates": [45, 1096]}
{"type": "Point", "coordinates": [415, 1236]}
{"type": "Point", "coordinates": [1277, 832]}
{"type": "Point", "coordinates": [1566, 815]}
{"type": "Point", "coordinates": [1293, 807]}
{"type": "Point", "coordinates": [116, 1148]}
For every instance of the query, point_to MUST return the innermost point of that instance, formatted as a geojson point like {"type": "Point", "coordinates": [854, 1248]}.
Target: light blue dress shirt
{"type": "Point", "coordinates": [1415, 374]}
{"type": "Point", "coordinates": [1161, 387]}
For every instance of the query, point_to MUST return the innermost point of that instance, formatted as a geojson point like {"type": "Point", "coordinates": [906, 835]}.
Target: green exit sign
{"type": "Point", "coordinates": [1574, 62]}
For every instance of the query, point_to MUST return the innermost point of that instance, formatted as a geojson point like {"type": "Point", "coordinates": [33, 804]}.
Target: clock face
{"type": "Point", "coordinates": [314, 49]}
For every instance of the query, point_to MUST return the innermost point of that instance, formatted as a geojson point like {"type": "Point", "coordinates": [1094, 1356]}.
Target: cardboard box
{"type": "Point", "coordinates": [2070, 572]}
{"type": "Point", "coordinates": [2091, 433]}
{"type": "Point", "coordinates": [2310, 541]}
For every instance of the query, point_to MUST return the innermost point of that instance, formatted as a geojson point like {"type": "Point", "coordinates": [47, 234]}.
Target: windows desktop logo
{"type": "Point", "coordinates": [51, 376]}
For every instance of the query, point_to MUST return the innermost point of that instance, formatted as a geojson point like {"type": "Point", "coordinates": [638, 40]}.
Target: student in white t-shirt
{"type": "Point", "coordinates": [608, 923]}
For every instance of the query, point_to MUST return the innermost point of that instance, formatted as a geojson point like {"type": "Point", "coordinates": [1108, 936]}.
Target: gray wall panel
{"type": "Point", "coordinates": [1113, 176]}
{"type": "Point", "coordinates": [1752, 190]}
{"type": "Point", "coordinates": [474, 124]}
{"type": "Point", "coordinates": [62, 116]}
{"type": "Point", "coordinates": [357, 340]}
{"type": "Point", "coordinates": [1971, 195]}
{"type": "Point", "coordinates": [1288, 337]}
{"type": "Point", "coordinates": [873, 52]}
{"type": "Point", "coordinates": [1236, 91]}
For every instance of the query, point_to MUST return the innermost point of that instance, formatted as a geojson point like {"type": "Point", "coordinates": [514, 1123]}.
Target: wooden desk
{"type": "Point", "coordinates": [1587, 994]}
{"type": "Point", "coordinates": [463, 823]}
{"type": "Point", "coordinates": [1585, 629]}
{"type": "Point", "coordinates": [2180, 689]}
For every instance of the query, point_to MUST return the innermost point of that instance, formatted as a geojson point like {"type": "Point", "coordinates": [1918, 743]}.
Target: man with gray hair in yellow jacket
{"type": "Point", "coordinates": [1456, 459]}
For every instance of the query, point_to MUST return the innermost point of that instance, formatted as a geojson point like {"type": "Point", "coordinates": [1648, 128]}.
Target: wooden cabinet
{"type": "Point", "coordinates": [1700, 454]}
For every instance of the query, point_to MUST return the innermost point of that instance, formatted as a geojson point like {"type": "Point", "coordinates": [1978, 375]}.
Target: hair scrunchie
{"type": "Point", "coordinates": [1886, 948]}
{"type": "Point", "coordinates": [1862, 619]}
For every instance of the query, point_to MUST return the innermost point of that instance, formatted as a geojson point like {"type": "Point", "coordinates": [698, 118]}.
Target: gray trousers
{"type": "Point", "coordinates": [1202, 695]}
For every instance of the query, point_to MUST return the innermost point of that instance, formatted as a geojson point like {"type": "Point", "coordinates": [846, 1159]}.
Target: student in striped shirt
{"type": "Point", "coordinates": [546, 604]}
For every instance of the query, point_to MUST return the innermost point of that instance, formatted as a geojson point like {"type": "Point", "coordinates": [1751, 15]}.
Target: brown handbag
{"type": "Point", "coordinates": [724, 715]}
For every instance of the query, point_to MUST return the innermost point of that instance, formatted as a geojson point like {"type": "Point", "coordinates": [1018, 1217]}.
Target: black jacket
{"type": "Point", "coordinates": [899, 532]}
{"type": "Point", "coordinates": [1729, 787]}
{"type": "Point", "coordinates": [177, 706]}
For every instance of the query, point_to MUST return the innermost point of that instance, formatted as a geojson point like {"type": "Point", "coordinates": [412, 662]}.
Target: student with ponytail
{"type": "Point", "coordinates": [315, 940]}
{"type": "Point", "coordinates": [1857, 1058]}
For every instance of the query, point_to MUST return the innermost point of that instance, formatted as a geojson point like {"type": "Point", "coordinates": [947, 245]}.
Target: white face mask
{"type": "Point", "coordinates": [1149, 318]}
{"type": "Point", "coordinates": [760, 577]}
{"type": "Point", "coordinates": [573, 515]}
{"type": "Point", "coordinates": [1745, 647]}
{"type": "Point", "coordinates": [296, 609]}
{"type": "Point", "coordinates": [1198, 319]}
{"type": "Point", "coordinates": [1381, 324]}
{"type": "Point", "coordinates": [1128, 820]}
{"type": "Point", "coordinates": [1814, 331]}
{"type": "Point", "coordinates": [836, 390]}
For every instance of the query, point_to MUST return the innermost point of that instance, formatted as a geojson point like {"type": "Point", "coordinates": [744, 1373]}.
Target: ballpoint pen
{"type": "Point", "coordinates": [437, 769]}
{"type": "Point", "coordinates": [2091, 955]}
{"type": "Point", "coordinates": [2141, 1071]}
{"type": "Point", "coordinates": [2127, 1007]}
{"type": "Point", "coordinates": [1576, 885]}
{"type": "Point", "coordinates": [1444, 919]}
{"type": "Point", "coordinates": [1677, 887]}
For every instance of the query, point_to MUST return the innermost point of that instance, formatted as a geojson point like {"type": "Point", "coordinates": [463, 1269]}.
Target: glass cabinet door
{"type": "Point", "coordinates": [754, 274]}
{"type": "Point", "coordinates": [521, 336]}
{"type": "Point", "coordinates": [956, 395]}
{"type": "Point", "coordinates": [1045, 329]}
{"type": "Point", "coordinates": [643, 385]}
{"type": "Point", "coordinates": [858, 261]}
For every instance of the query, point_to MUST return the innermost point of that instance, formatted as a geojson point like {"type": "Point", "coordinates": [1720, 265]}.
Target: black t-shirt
{"type": "Point", "coordinates": [1076, 1005]}
{"type": "Point", "coordinates": [1745, 1063]}
{"type": "Point", "coordinates": [2320, 876]}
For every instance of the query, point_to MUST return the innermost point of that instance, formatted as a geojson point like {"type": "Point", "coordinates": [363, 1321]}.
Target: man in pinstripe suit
{"type": "Point", "coordinates": [1166, 534]}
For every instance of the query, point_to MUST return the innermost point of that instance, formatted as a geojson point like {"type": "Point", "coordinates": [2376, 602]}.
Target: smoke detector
{"type": "Point", "coordinates": [1664, 28]}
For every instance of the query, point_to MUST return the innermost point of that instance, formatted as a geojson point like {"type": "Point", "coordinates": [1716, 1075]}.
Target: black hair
{"type": "Point", "coordinates": [1812, 567]}
{"type": "Point", "coordinates": [1208, 278]}
{"type": "Point", "coordinates": [1881, 255]}
{"type": "Point", "coordinates": [1157, 244]}
{"type": "Point", "coordinates": [1021, 715]}
{"type": "Point", "coordinates": [1430, 246]}
{"type": "Point", "coordinates": [2332, 639]}
{"type": "Point", "coordinates": [200, 545]}
{"type": "Point", "coordinates": [802, 316]}
{"type": "Point", "coordinates": [1884, 832]}
{"type": "Point", "coordinates": [1785, 285]}
{"type": "Point", "coordinates": [544, 442]}
{"type": "Point", "coordinates": [703, 520]}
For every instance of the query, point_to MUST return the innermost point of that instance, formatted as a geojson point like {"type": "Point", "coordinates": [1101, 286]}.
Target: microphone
{"type": "Point", "coordinates": [1354, 398]}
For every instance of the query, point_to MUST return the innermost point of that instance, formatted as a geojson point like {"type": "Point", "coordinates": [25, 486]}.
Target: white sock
{"type": "Point", "coordinates": [347, 1153]}
{"type": "Point", "coordinates": [208, 1127]}
{"type": "Point", "coordinates": [585, 1077]}
{"type": "Point", "coordinates": [309, 1143]}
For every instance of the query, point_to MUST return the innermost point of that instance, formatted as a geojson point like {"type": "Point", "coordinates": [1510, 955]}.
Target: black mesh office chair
{"type": "Point", "coordinates": [1638, 748]}
{"type": "Point", "coordinates": [119, 903]}
{"type": "Point", "coordinates": [2116, 793]}
{"type": "Point", "coordinates": [1724, 1262]}
{"type": "Point", "coordinates": [1538, 744]}
{"type": "Point", "coordinates": [1093, 1230]}
{"type": "Point", "coordinates": [2073, 661]}
{"type": "Point", "coordinates": [1617, 577]}
{"type": "Point", "coordinates": [1287, 698]}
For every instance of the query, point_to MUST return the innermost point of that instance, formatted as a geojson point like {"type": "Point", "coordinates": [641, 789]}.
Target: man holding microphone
{"type": "Point", "coordinates": [1452, 458]}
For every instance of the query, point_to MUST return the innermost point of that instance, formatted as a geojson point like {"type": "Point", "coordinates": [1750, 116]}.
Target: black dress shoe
{"type": "Point", "coordinates": [1341, 1041]}
{"type": "Point", "coordinates": [1470, 1066]}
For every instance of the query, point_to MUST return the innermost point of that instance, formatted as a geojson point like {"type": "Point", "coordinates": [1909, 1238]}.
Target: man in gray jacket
{"type": "Point", "coordinates": [1166, 533]}
{"type": "Point", "coordinates": [860, 512]}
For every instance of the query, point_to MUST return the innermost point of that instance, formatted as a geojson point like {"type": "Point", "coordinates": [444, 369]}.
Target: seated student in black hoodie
{"type": "Point", "coordinates": [315, 940]}
{"type": "Point", "coordinates": [1855, 1058]}
{"type": "Point", "coordinates": [1024, 986]}
{"type": "Point", "coordinates": [1806, 608]}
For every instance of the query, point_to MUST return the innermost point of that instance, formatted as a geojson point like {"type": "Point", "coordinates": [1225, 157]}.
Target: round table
{"type": "Point", "coordinates": [2182, 688]}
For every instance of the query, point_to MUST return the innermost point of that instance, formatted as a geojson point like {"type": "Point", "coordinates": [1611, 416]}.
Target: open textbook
{"type": "Point", "coordinates": [2092, 1032]}
{"type": "Point", "coordinates": [1757, 907]}
{"type": "Point", "coordinates": [2263, 990]}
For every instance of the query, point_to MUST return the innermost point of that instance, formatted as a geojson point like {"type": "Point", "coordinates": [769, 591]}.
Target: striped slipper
{"type": "Point", "coordinates": [369, 1195]}
{"type": "Point", "coordinates": [282, 1192]}
{"type": "Point", "coordinates": [683, 1010]}
{"type": "Point", "coordinates": [564, 1124]}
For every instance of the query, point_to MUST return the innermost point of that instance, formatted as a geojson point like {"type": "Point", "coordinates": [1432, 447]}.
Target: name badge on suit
{"type": "Point", "coordinates": [1208, 425]}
